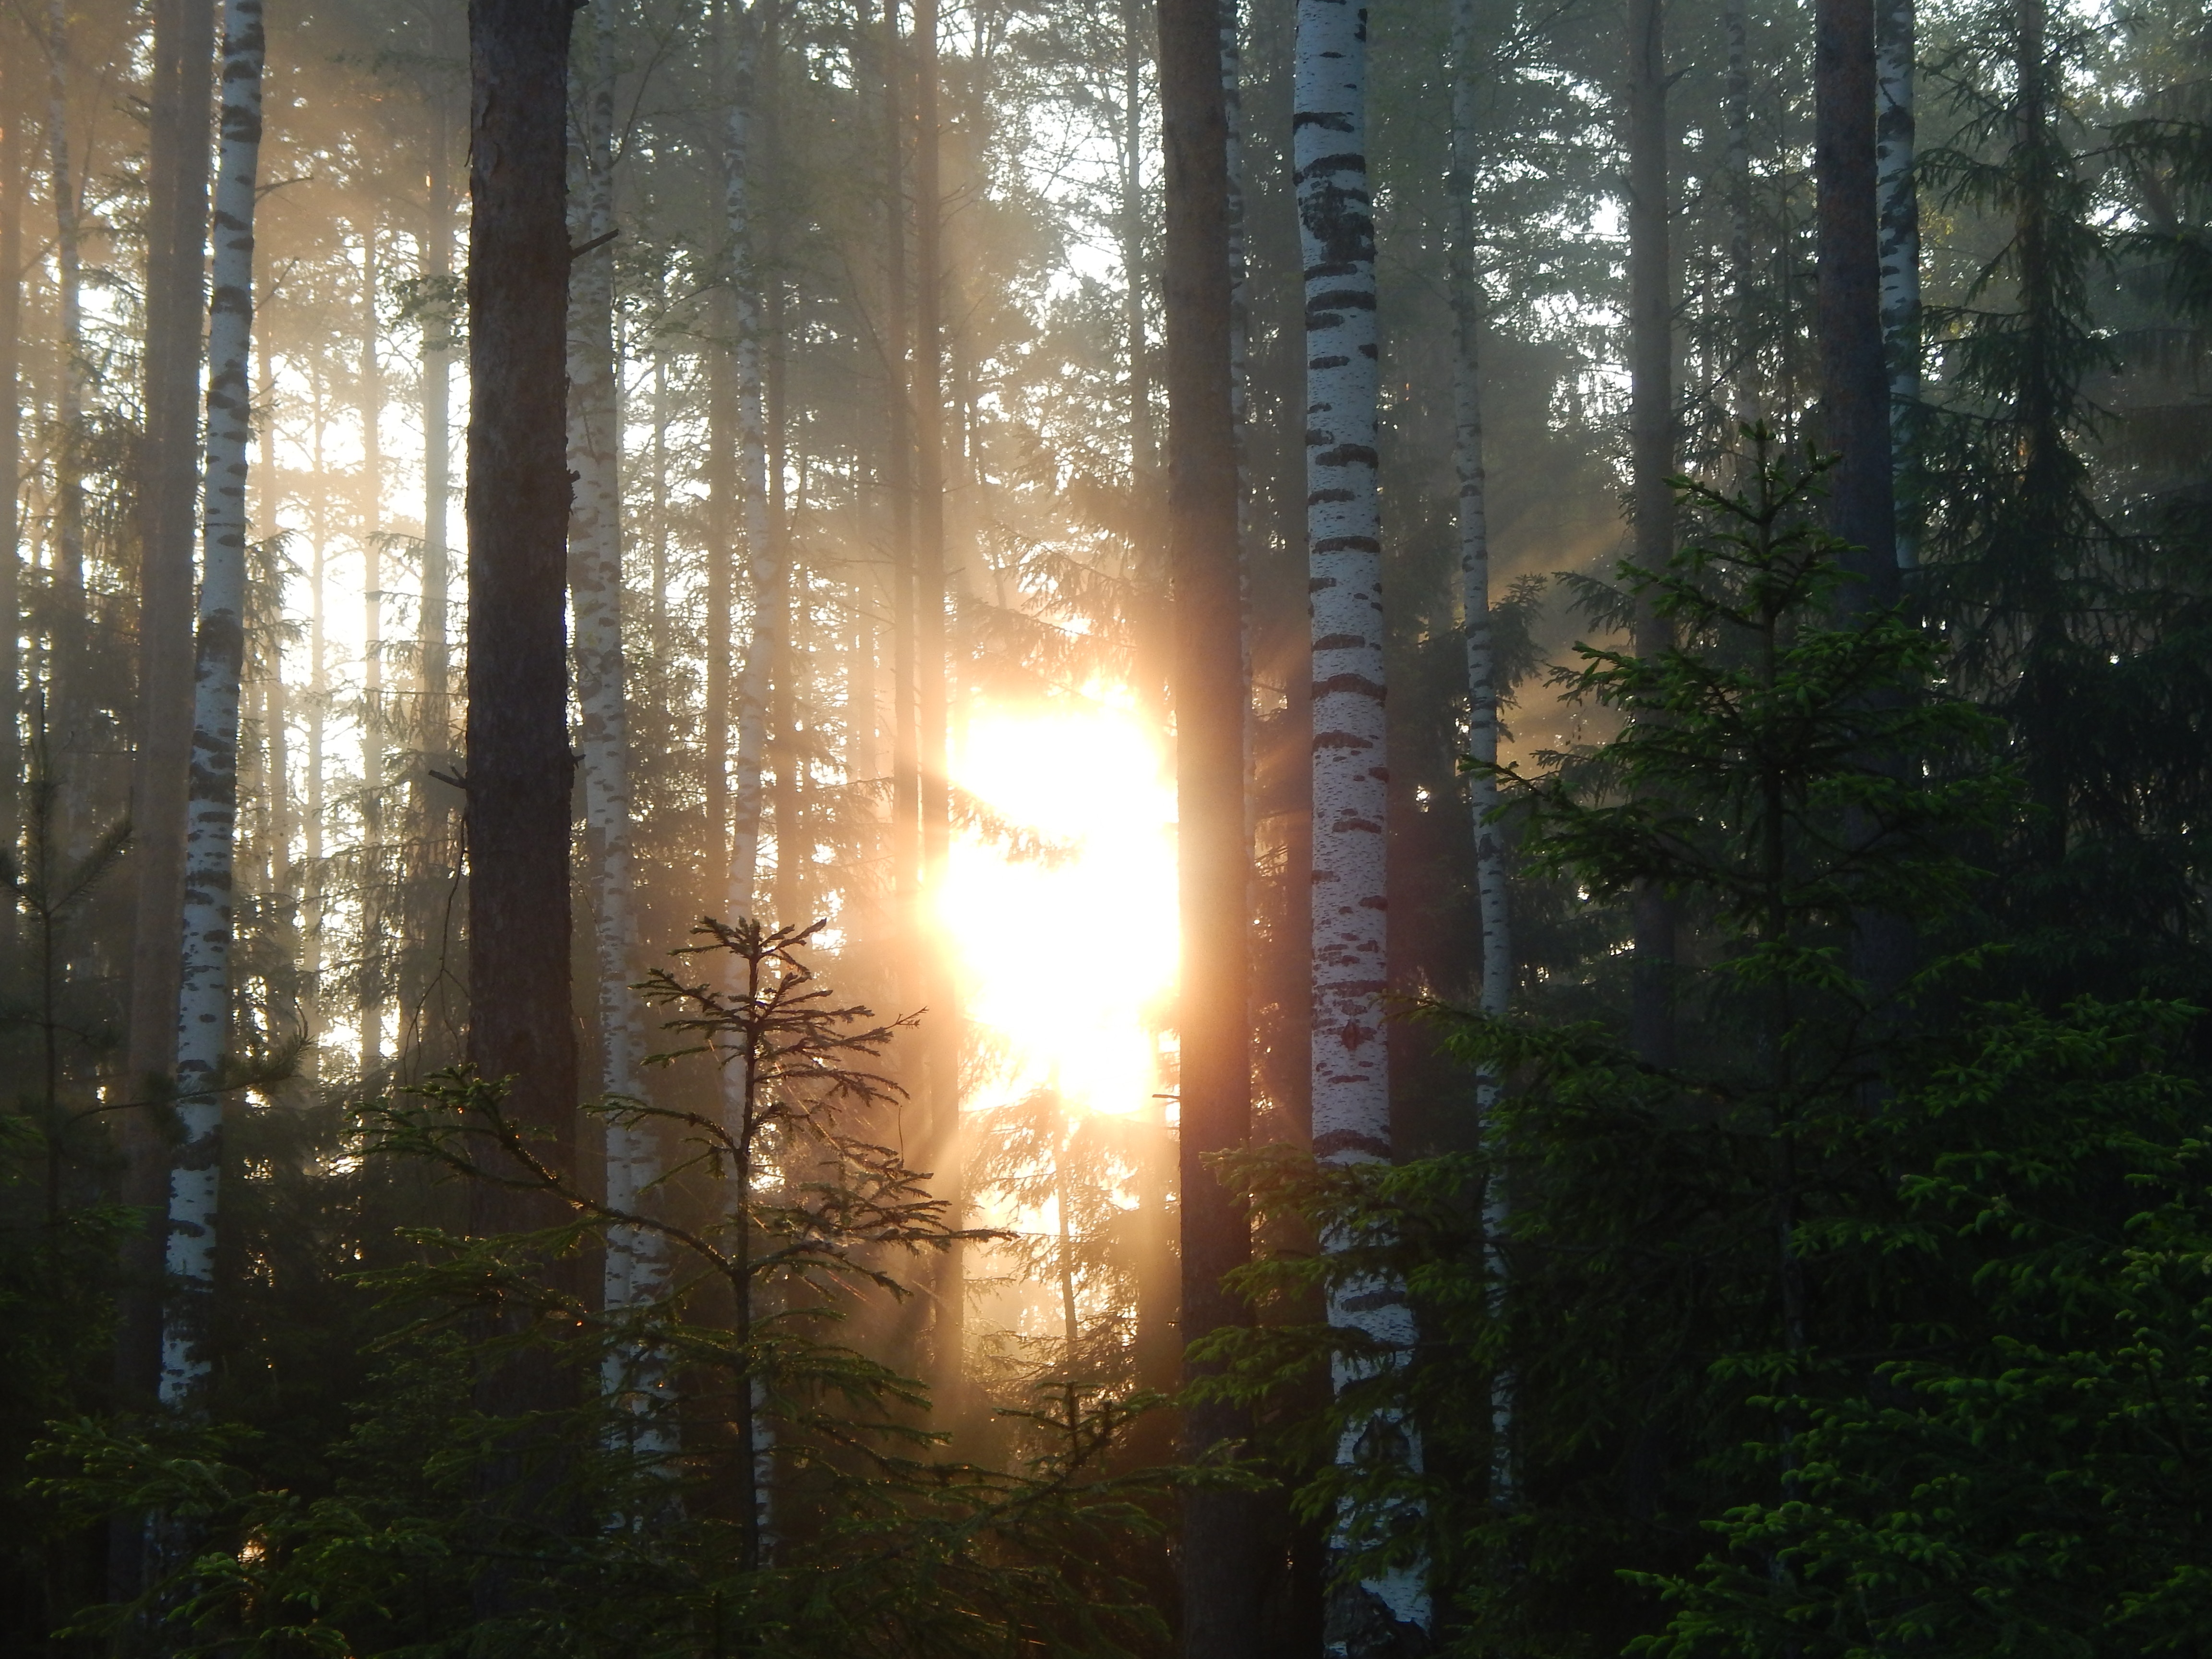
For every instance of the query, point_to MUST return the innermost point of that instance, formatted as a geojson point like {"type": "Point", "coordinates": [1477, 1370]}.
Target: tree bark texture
{"type": "Point", "coordinates": [1351, 776]}
{"type": "Point", "coordinates": [521, 1027]}
{"type": "Point", "coordinates": [1651, 457]}
{"type": "Point", "coordinates": [521, 1024]}
{"type": "Point", "coordinates": [1222, 1579]}
{"type": "Point", "coordinates": [1854, 399]}
{"type": "Point", "coordinates": [203, 993]}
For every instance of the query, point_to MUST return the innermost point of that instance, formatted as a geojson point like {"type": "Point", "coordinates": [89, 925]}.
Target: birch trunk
{"type": "Point", "coordinates": [203, 995]}
{"type": "Point", "coordinates": [1899, 251]}
{"type": "Point", "coordinates": [635, 1262]}
{"type": "Point", "coordinates": [1350, 965]}
{"type": "Point", "coordinates": [1481, 676]}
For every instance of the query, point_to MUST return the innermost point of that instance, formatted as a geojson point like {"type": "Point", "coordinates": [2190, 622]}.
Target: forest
{"type": "Point", "coordinates": [1240, 828]}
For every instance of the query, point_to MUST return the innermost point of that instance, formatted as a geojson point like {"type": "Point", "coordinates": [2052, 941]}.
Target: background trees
{"type": "Point", "coordinates": [938, 392]}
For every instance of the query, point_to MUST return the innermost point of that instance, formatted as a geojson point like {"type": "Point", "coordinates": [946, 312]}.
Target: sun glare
{"type": "Point", "coordinates": [1068, 958]}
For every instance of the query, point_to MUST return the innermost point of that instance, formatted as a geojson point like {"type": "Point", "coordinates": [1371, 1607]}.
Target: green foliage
{"type": "Point", "coordinates": [795, 1501]}
{"type": "Point", "coordinates": [1703, 1267]}
{"type": "Point", "coordinates": [2028, 1484]}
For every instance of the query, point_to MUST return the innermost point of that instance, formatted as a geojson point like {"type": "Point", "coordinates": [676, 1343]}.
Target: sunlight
{"type": "Point", "coordinates": [1068, 960]}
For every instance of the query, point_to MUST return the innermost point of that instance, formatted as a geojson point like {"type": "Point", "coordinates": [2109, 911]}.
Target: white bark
{"type": "Point", "coordinates": [1350, 1051]}
{"type": "Point", "coordinates": [1899, 249]}
{"type": "Point", "coordinates": [636, 1264]}
{"type": "Point", "coordinates": [1481, 676]}
{"type": "Point", "coordinates": [763, 570]}
{"type": "Point", "coordinates": [203, 1002]}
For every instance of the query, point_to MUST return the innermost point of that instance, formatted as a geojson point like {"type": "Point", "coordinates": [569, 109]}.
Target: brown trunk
{"type": "Point", "coordinates": [13, 186]}
{"type": "Point", "coordinates": [1854, 371]}
{"type": "Point", "coordinates": [1220, 1558]}
{"type": "Point", "coordinates": [181, 111]}
{"type": "Point", "coordinates": [940, 1034]}
{"type": "Point", "coordinates": [521, 1025]}
{"type": "Point", "coordinates": [1651, 442]}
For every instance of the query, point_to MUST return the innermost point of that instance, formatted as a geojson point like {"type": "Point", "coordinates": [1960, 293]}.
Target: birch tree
{"type": "Point", "coordinates": [204, 994]}
{"type": "Point", "coordinates": [1344, 549]}
{"type": "Point", "coordinates": [635, 1259]}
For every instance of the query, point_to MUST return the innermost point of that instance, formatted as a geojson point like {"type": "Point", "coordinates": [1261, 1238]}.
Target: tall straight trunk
{"type": "Point", "coordinates": [14, 185]}
{"type": "Point", "coordinates": [636, 1266]}
{"type": "Point", "coordinates": [1854, 378]}
{"type": "Point", "coordinates": [1222, 1564]}
{"type": "Point", "coordinates": [426, 1004]}
{"type": "Point", "coordinates": [1898, 212]}
{"type": "Point", "coordinates": [203, 993]}
{"type": "Point", "coordinates": [1132, 229]}
{"type": "Point", "coordinates": [763, 571]}
{"type": "Point", "coordinates": [65, 578]}
{"type": "Point", "coordinates": [1735, 117]}
{"type": "Point", "coordinates": [519, 763]}
{"type": "Point", "coordinates": [180, 110]}
{"type": "Point", "coordinates": [521, 1020]}
{"type": "Point", "coordinates": [1481, 669]}
{"type": "Point", "coordinates": [373, 717]}
{"type": "Point", "coordinates": [1652, 456]}
{"type": "Point", "coordinates": [1350, 1047]}
{"type": "Point", "coordinates": [785, 673]}
{"type": "Point", "coordinates": [898, 489]}
{"type": "Point", "coordinates": [314, 893]}
{"type": "Point", "coordinates": [940, 1036]}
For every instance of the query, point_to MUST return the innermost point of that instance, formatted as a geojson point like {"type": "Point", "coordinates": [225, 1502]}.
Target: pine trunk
{"type": "Point", "coordinates": [521, 1022]}
{"type": "Point", "coordinates": [940, 1035]}
{"type": "Point", "coordinates": [374, 922]}
{"type": "Point", "coordinates": [176, 308]}
{"type": "Point", "coordinates": [1222, 1563]}
{"type": "Point", "coordinates": [1854, 400]}
{"type": "Point", "coordinates": [764, 576]}
{"type": "Point", "coordinates": [1497, 948]}
{"type": "Point", "coordinates": [203, 993]}
{"type": "Point", "coordinates": [65, 597]}
{"type": "Point", "coordinates": [1651, 444]}
{"type": "Point", "coordinates": [1899, 254]}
